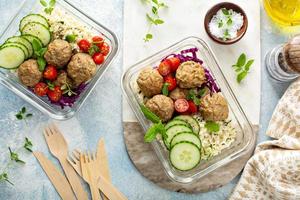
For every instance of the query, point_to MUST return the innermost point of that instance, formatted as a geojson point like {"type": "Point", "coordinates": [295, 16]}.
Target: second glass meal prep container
{"type": "Point", "coordinates": [11, 81]}
{"type": "Point", "coordinates": [245, 134]}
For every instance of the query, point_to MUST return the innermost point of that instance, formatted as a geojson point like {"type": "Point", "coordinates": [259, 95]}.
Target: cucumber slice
{"type": "Point", "coordinates": [176, 122]}
{"type": "Point", "coordinates": [39, 30]}
{"type": "Point", "coordinates": [30, 38]}
{"type": "Point", "coordinates": [22, 46]}
{"type": "Point", "coordinates": [186, 137]}
{"type": "Point", "coordinates": [11, 57]}
{"type": "Point", "coordinates": [172, 131]}
{"type": "Point", "coordinates": [33, 18]}
{"type": "Point", "coordinates": [23, 41]}
{"type": "Point", "coordinates": [185, 156]}
{"type": "Point", "coordinates": [192, 121]}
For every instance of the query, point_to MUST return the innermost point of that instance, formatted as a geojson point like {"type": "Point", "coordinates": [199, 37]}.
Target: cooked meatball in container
{"type": "Point", "coordinates": [81, 68]}
{"type": "Point", "coordinates": [150, 82]}
{"type": "Point", "coordinates": [190, 75]}
{"type": "Point", "coordinates": [162, 106]}
{"type": "Point", "coordinates": [214, 107]}
{"type": "Point", "coordinates": [29, 73]}
{"type": "Point", "coordinates": [178, 93]}
{"type": "Point", "coordinates": [59, 53]}
{"type": "Point", "coordinates": [63, 79]}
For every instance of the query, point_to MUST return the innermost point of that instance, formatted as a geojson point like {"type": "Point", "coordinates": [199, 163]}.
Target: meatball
{"type": "Point", "coordinates": [214, 107]}
{"type": "Point", "coordinates": [178, 93]}
{"type": "Point", "coordinates": [190, 75]}
{"type": "Point", "coordinates": [150, 82]}
{"type": "Point", "coordinates": [162, 106]}
{"type": "Point", "coordinates": [81, 68]}
{"type": "Point", "coordinates": [58, 53]}
{"type": "Point", "coordinates": [29, 73]}
{"type": "Point", "coordinates": [62, 79]}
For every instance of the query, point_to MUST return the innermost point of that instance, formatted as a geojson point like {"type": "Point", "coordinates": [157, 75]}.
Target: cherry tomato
{"type": "Point", "coordinates": [175, 62]}
{"type": "Point", "coordinates": [181, 105]}
{"type": "Point", "coordinates": [50, 73]}
{"type": "Point", "coordinates": [55, 94]}
{"type": "Point", "coordinates": [84, 45]}
{"type": "Point", "coordinates": [98, 58]}
{"type": "Point", "coordinates": [98, 41]}
{"type": "Point", "coordinates": [164, 68]}
{"type": "Point", "coordinates": [172, 82]}
{"type": "Point", "coordinates": [192, 107]}
{"type": "Point", "coordinates": [104, 49]}
{"type": "Point", "coordinates": [41, 89]}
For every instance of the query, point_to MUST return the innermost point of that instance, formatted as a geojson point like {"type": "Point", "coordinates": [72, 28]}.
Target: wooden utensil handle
{"type": "Point", "coordinates": [95, 192]}
{"type": "Point", "coordinates": [73, 180]}
{"type": "Point", "coordinates": [110, 191]}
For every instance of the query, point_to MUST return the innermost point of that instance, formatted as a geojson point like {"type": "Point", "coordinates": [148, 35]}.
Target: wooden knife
{"type": "Point", "coordinates": [58, 180]}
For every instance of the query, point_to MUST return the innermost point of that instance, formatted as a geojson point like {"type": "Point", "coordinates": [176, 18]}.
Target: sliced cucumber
{"type": "Point", "coordinates": [11, 56]}
{"type": "Point", "coordinates": [172, 131]}
{"type": "Point", "coordinates": [31, 38]}
{"type": "Point", "coordinates": [23, 41]}
{"type": "Point", "coordinates": [185, 156]}
{"type": "Point", "coordinates": [192, 121]}
{"type": "Point", "coordinates": [186, 137]}
{"type": "Point", "coordinates": [22, 46]}
{"type": "Point", "coordinates": [33, 18]}
{"type": "Point", "coordinates": [176, 122]}
{"type": "Point", "coordinates": [39, 30]}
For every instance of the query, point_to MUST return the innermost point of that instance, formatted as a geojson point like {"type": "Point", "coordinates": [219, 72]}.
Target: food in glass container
{"type": "Point", "coordinates": [55, 56]}
{"type": "Point", "coordinates": [189, 112]}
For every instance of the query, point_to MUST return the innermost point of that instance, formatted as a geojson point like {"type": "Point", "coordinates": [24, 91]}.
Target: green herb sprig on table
{"type": "Point", "coordinates": [156, 128]}
{"type": "Point", "coordinates": [153, 17]}
{"type": "Point", "coordinates": [39, 52]}
{"type": "Point", "coordinates": [14, 158]}
{"type": "Point", "coordinates": [48, 6]}
{"type": "Point", "coordinates": [242, 67]}
{"type": "Point", "coordinates": [22, 114]}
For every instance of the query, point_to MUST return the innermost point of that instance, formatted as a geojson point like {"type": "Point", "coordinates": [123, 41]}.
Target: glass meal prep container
{"type": "Point", "coordinates": [244, 135]}
{"type": "Point", "coordinates": [11, 81]}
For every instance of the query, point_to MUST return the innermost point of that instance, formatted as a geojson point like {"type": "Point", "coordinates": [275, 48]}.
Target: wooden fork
{"type": "Point", "coordinates": [59, 148]}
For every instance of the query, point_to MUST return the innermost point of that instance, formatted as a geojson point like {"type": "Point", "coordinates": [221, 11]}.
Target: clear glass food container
{"type": "Point", "coordinates": [11, 81]}
{"type": "Point", "coordinates": [245, 134]}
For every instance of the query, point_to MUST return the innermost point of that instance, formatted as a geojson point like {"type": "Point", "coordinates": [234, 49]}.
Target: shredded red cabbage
{"type": "Point", "coordinates": [70, 100]}
{"type": "Point", "coordinates": [184, 56]}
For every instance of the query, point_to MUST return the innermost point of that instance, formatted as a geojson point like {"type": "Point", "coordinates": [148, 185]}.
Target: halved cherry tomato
{"type": "Point", "coordinates": [50, 73]}
{"type": "Point", "coordinates": [172, 82]}
{"type": "Point", "coordinates": [98, 41]}
{"type": "Point", "coordinates": [192, 107]}
{"type": "Point", "coordinates": [41, 89]}
{"type": "Point", "coordinates": [98, 58]}
{"type": "Point", "coordinates": [181, 105]}
{"type": "Point", "coordinates": [104, 49]}
{"type": "Point", "coordinates": [84, 45]}
{"type": "Point", "coordinates": [164, 67]}
{"type": "Point", "coordinates": [175, 62]}
{"type": "Point", "coordinates": [55, 94]}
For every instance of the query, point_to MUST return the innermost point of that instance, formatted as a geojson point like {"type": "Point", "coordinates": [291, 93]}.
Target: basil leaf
{"type": "Point", "coordinates": [36, 45]}
{"type": "Point", "coordinates": [248, 65]}
{"type": "Point", "coordinates": [165, 90]}
{"type": "Point", "coordinates": [71, 38]}
{"type": "Point", "coordinates": [241, 76]}
{"type": "Point", "coordinates": [42, 52]}
{"type": "Point", "coordinates": [212, 126]}
{"type": "Point", "coordinates": [42, 63]}
{"type": "Point", "coordinates": [149, 115]}
{"type": "Point", "coordinates": [241, 60]}
{"type": "Point", "coordinates": [43, 3]}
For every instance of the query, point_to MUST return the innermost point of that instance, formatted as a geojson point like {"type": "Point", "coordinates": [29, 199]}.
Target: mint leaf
{"type": "Point", "coordinates": [202, 92]}
{"type": "Point", "coordinates": [43, 3]}
{"type": "Point", "coordinates": [165, 90]}
{"type": "Point", "coordinates": [151, 20]}
{"type": "Point", "coordinates": [212, 126]}
{"type": "Point", "coordinates": [154, 10]}
{"type": "Point", "coordinates": [220, 24]}
{"type": "Point", "coordinates": [36, 45]}
{"type": "Point", "coordinates": [159, 21]}
{"type": "Point", "coordinates": [42, 63]}
{"type": "Point", "coordinates": [93, 49]}
{"type": "Point", "coordinates": [52, 3]}
{"type": "Point", "coordinates": [229, 21]}
{"type": "Point", "coordinates": [153, 131]}
{"type": "Point", "coordinates": [225, 11]}
{"type": "Point", "coordinates": [241, 61]}
{"type": "Point", "coordinates": [248, 64]}
{"type": "Point", "coordinates": [241, 76]}
{"type": "Point", "coordinates": [71, 38]}
{"type": "Point", "coordinates": [149, 115]}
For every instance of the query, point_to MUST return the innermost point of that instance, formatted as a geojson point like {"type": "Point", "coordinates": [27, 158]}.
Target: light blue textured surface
{"type": "Point", "coordinates": [101, 116]}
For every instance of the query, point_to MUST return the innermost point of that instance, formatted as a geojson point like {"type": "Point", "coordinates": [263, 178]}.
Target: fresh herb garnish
{"type": "Point", "coordinates": [242, 67]}
{"type": "Point", "coordinates": [50, 85]}
{"type": "Point", "coordinates": [229, 21]}
{"type": "Point", "coordinates": [22, 114]}
{"type": "Point", "coordinates": [212, 126]}
{"type": "Point", "coordinates": [226, 35]}
{"type": "Point", "coordinates": [220, 24]}
{"type": "Point", "coordinates": [66, 88]}
{"type": "Point", "coordinates": [153, 17]}
{"type": "Point", "coordinates": [71, 38]}
{"type": "Point", "coordinates": [165, 90]}
{"type": "Point", "coordinates": [14, 156]}
{"type": "Point", "coordinates": [192, 95]}
{"type": "Point", "coordinates": [225, 11]}
{"type": "Point", "coordinates": [4, 177]}
{"type": "Point", "coordinates": [48, 6]}
{"type": "Point", "coordinates": [93, 49]}
{"type": "Point", "coordinates": [28, 145]}
{"type": "Point", "coordinates": [39, 52]}
{"type": "Point", "coordinates": [156, 128]}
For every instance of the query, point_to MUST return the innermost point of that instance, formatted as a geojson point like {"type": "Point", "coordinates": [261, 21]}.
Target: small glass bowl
{"type": "Point", "coordinates": [11, 81]}
{"type": "Point", "coordinates": [245, 134]}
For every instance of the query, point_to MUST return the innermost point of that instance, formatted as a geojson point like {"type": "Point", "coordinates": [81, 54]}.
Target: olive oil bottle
{"type": "Point", "coordinates": [283, 12]}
